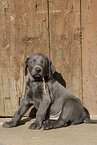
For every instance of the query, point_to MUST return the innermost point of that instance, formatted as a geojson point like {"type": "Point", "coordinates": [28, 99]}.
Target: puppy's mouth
{"type": "Point", "coordinates": [37, 76]}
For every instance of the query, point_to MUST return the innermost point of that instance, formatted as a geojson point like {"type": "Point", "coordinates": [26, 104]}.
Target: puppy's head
{"type": "Point", "coordinates": [39, 66]}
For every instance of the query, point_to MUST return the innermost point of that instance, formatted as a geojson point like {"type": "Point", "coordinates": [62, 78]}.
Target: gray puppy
{"type": "Point", "coordinates": [45, 93]}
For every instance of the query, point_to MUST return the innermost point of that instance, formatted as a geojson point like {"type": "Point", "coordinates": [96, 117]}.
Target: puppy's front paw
{"type": "Point", "coordinates": [9, 124]}
{"type": "Point", "coordinates": [34, 125]}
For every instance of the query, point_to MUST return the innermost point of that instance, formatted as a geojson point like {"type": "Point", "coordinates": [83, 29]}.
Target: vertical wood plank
{"type": "Point", "coordinates": [24, 31]}
{"type": "Point", "coordinates": [89, 37]}
{"type": "Point", "coordinates": [65, 42]}
{"type": "Point", "coordinates": [1, 92]}
{"type": "Point", "coordinates": [11, 70]}
{"type": "Point", "coordinates": [36, 33]}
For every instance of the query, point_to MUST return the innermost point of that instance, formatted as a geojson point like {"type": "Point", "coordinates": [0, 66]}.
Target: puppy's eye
{"type": "Point", "coordinates": [43, 62]}
{"type": "Point", "coordinates": [32, 62]}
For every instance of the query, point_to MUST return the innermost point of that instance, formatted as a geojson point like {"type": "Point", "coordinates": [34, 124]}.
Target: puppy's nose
{"type": "Point", "coordinates": [38, 70]}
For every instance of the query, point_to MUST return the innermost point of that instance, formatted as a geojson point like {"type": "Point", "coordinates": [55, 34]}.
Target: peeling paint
{"type": "Point", "coordinates": [53, 11]}
{"type": "Point", "coordinates": [11, 18]}
{"type": "Point", "coordinates": [6, 46]}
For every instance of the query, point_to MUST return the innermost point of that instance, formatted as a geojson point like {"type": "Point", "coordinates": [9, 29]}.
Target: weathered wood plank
{"type": "Point", "coordinates": [24, 32]}
{"type": "Point", "coordinates": [36, 33]}
{"type": "Point", "coordinates": [1, 92]}
{"type": "Point", "coordinates": [11, 70]}
{"type": "Point", "coordinates": [65, 42]}
{"type": "Point", "coordinates": [89, 37]}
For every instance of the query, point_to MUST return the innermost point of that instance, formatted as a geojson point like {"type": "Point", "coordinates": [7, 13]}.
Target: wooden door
{"type": "Point", "coordinates": [63, 30]}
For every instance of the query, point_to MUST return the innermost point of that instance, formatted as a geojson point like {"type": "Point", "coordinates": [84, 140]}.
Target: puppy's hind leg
{"type": "Point", "coordinates": [61, 121]}
{"type": "Point", "coordinates": [52, 124]}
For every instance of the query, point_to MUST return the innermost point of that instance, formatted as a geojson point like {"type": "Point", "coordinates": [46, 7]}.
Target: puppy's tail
{"type": "Point", "coordinates": [88, 120]}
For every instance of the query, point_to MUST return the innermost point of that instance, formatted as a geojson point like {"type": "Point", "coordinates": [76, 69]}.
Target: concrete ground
{"type": "Point", "coordinates": [83, 134]}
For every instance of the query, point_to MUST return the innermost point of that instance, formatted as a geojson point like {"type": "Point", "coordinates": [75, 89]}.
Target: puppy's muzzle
{"type": "Point", "coordinates": [37, 69]}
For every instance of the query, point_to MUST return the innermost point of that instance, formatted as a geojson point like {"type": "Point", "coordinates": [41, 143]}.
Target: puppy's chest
{"type": "Point", "coordinates": [37, 89]}
{"type": "Point", "coordinates": [37, 93]}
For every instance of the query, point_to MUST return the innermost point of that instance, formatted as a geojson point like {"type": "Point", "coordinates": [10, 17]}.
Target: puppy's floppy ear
{"type": "Point", "coordinates": [52, 67]}
{"type": "Point", "coordinates": [26, 65]}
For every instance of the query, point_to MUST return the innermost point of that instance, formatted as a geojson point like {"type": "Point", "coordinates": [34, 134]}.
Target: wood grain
{"type": "Point", "coordinates": [89, 37]}
{"type": "Point", "coordinates": [65, 42]}
{"type": "Point", "coordinates": [24, 32]}
{"type": "Point", "coordinates": [65, 30]}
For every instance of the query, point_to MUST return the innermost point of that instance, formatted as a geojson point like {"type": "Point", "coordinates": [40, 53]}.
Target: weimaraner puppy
{"type": "Point", "coordinates": [46, 93]}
